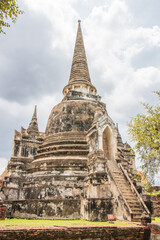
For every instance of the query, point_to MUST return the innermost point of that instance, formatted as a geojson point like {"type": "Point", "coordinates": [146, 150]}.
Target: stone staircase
{"type": "Point", "coordinates": [124, 187]}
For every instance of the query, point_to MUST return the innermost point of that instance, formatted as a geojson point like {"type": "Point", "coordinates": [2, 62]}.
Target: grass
{"type": "Point", "coordinates": [17, 222]}
{"type": "Point", "coordinates": [154, 193]}
{"type": "Point", "coordinates": [157, 219]}
{"type": "Point", "coordinates": [43, 223]}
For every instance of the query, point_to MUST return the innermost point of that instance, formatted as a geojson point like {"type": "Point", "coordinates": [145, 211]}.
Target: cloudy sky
{"type": "Point", "coordinates": [122, 41]}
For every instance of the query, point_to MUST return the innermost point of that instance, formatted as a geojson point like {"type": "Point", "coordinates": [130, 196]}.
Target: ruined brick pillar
{"type": "Point", "coordinates": [3, 209]}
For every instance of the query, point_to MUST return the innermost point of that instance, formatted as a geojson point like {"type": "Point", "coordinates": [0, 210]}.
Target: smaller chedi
{"type": "Point", "coordinates": [79, 167]}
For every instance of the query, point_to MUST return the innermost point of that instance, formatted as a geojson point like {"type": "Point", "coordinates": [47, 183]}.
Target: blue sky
{"type": "Point", "coordinates": [122, 41]}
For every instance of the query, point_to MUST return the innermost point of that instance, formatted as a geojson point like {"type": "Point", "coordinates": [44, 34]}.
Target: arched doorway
{"type": "Point", "coordinates": [108, 144]}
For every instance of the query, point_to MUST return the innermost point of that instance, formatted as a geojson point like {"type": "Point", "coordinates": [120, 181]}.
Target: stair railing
{"type": "Point", "coordinates": [130, 211]}
{"type": "Point", "coordinates": [134, 189]}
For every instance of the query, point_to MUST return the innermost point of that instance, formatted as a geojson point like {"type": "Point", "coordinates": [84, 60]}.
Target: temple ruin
{"type": "Point", "coordinates": [79, 167]}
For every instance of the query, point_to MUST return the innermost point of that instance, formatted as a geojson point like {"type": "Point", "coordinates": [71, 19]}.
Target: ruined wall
{"type": "Point", "coordinates": [95, 209]}
{"type": "Point", "coordinates": [3, 209]}
{"type": "Point", "coordinates": [155, 231]}
{"type": "Point", "coordinates": [44, 209]}
{"type": "Point", "coordinates": [156, 205]}
{"type": "Point", "coordinates": [25, 144]}
{"type": "Point", "coordinates": [57, 186]}
{"type": "Point", "coordinates": [80, 233]}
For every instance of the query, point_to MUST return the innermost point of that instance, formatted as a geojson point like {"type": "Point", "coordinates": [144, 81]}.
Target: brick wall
{"type": "Point", "coordinates": [2, 211]}
{"type": "Point", "coordinates": [156, 205]}
{"type": "Point", "coordinates": [155, 188]}
{"type": "Point", "coordinates": [77, 233]}
{"type": "Point", "coordinates": [155, 231]}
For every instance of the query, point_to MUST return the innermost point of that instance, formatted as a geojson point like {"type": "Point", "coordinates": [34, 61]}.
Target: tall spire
{"type": "Point", "coordinates": [33, 126]}
{"type": "Point", "coordinates": [79, 70]}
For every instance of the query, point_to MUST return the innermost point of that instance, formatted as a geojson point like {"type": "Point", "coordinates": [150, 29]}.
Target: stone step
{"type": "Point", "coordinates": [139, 212]}
{"type": "Point", "coordinates": [117, 173]}
{"type": "Point", "coordinates": [136, 219]}
{"type": "Point", "coordinates": [130, 198]}
{"type": "Point", "coordinates": [136, 215]}
{"type": "Point", "coordinates": [133, 203]}
{"type": "Point", "coordinates": [119, 179]}
{"type": "Point", "coordinates": [62, 152]}
{"type": "Point", "coordinates": [136, 208]}
{"type": "Point", "coordinates": [123, 183]}
{"type": "Point", "coordinates": [123, 186]}
{"type": "Point", "coordinates": [129, 192]}
{"type": "Point", "coordinates": [126, 191]}
{"type": "Point", "coordinates": [63, 142]}
{"type": "Point", "coordinates": [65, 147]}
{"type": "Point", "coordinates": [133, 199]}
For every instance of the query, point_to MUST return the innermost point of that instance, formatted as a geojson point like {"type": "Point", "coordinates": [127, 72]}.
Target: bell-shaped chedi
{"type": "Point", "coordinates": [76, 112]}
{"type": "Point", "coordinates": [79, 167]}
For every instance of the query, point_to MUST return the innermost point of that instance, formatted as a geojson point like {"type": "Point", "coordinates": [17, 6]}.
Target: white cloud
{"type": "Point", "coordinates": [62, 16]}
{"type": "Point", "coordinates": [23, 113]}
{"type": "Point", "coordinates": [111, 50]}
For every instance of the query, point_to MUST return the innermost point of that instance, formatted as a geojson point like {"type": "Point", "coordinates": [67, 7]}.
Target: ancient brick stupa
{"type": "Point", "coordinates": [79, 167]}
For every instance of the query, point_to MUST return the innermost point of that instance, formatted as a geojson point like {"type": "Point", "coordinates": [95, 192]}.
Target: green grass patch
{"type": "Point", "coordinates": [43, 223]}
{"type": "Point", "coordinates": [157, 219]}
{"type": "Point", "coordinates": [154, 193]}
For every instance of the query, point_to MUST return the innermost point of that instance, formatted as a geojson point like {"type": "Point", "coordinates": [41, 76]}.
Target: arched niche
{"type": "Point", "coordinates": [108, 144]}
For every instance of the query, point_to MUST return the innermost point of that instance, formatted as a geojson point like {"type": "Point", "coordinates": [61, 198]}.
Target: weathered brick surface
{"type": "Point", "coordinates": [2, 211]}
{"type": "Point", "coordinates": [77, 233]}
{"type": "Point", "coordinates": [155, 228]}
{"type": "Point", "coordinates": [156, 205]}
{"type": "Point", "coordinates": [34, 207]}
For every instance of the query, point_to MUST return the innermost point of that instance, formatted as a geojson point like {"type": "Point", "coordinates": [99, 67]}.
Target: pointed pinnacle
{"type": "Point", "coordinates": [79, 69]}
{"type": "Point", "coordinates": [33, 126]}
{"type": "Point", "coordinates": [35, 112]}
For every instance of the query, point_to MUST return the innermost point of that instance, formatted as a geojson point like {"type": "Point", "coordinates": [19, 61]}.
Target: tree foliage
{"type": "Point", "coordinates": [144, 130]}
{"type": "Point", "coordinates": [9, 11]}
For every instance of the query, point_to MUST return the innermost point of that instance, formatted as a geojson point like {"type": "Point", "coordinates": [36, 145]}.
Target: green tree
{"type": "Point", "coordinates": [144, 130]}
{"type": "Point", "coordinates": [9, 11]}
